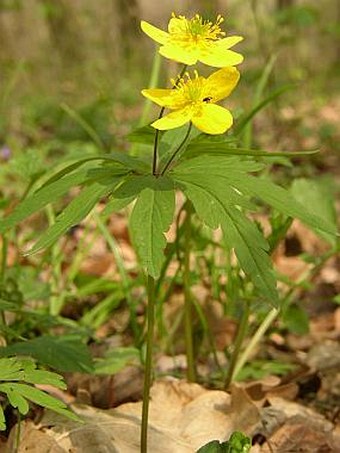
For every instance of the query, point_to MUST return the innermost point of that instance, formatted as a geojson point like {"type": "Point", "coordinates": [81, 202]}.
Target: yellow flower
{"type": "Point", "coordinates": [193, 99]}
{"type": "Point", "coordinates": [190, 40]}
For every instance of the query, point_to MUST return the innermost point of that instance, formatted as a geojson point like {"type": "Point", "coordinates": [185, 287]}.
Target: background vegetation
{"type": "Point", "coordinates": [92, 57]}
{"type": "Point", "coordinates": [70, 81]}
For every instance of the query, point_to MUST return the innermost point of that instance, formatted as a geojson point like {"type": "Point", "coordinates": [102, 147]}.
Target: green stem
{"type": "Point", "coordinates": [3, 271]}
{"type": "Point", "coordinates": [155, 146]}
{"type": "Point", "coordinates": [84, 124]}
{"type": "Point", "coordinates": [3, 258]}
{"type": "Point", "coordinates": [148, 363]}
{"type": "Point", "coordinates": [256, 338]}
{"type": "Point", "coordinates": [17, 433]}
{"type": "Point", "coordinates": [124, 277]}
{"type": "Point", "coordinates": [189, 346]}
{"type": "Point", "coordinates": [241, 333]}
{"type": "Point", "coordinates": [57, 299]}
{"type": "Point", "coordinates": [156, 141]}
{"type": "Point", "coordinates": [167, 165]}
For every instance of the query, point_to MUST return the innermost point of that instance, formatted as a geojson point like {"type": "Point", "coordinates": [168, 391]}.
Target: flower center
{"type": "Point", "coordinates": [196, 30]}
{"type": "Point", "coordinates": [191, 91]}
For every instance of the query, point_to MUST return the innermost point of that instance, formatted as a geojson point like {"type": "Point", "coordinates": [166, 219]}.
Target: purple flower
{"type": "Point", "coordinates": [5, 153]}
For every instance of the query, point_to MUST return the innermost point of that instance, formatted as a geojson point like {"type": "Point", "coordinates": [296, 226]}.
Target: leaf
{"type": "Point", "coordinates": [76, 211]}
{"type": "Point", "coordinates": [251, 250]}
{"type": "Point", "coordinates": [145, 135]}
{"type": "Point", "coordinates": [218, 165]}
{"type": "Point", "coordinates": [171, 140]}
{"type": "Point", "coordinates": [97, 315]}
{"type": "Point", "coordinates": [318, 196]}
{"type": "Point", "coordinates": [68, 354]}
{"type": "Point", "coordinates": [213, 446]}
{"type": "Point", "coordinates": [150, 219]}
{"type": "Point", "coordinates": [296, 319]}
{"type": "Point", "coordinates": [15, 398]}
{"type": "Point", "coordinates": [67, 170]}
{"type": "Point", "coordinates": [41, 198]}
{"type": "Point", "coordinates": [2, 420]}
{"type": "Point", "coordinates": [18, 393]}
{"type": "Point", "coordinates": [225, 149]}
{"type": "Point", "coordinates": [124, 194]}
{"type": "Point", "coordinates": [116, 205]}
{"type": "Point", "coordinates": [214, 202]}
{"type": "Point", "coordinates": [131, 162]}
{"type": "Point", "coordinates": [237, 443]}
{"type": "Point", "coordinates": [44, 377]}
{"type": "Point", "coordinates": [10, 369]}
{"type": "Point", "coordinates": [281, 199]}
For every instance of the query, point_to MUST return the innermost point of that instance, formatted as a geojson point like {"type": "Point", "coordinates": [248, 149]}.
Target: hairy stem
{"type": "Point", "coordinates": [148, 363]}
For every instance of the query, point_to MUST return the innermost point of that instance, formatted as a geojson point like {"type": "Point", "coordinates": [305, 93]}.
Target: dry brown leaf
{"type": "Point", "coordinates": [295, 436]}
{"type": "Point", "coordinates": [183, 417]}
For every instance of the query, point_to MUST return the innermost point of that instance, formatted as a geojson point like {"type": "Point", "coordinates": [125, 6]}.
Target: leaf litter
{"type": "Point", "coordinates": [296, 412]}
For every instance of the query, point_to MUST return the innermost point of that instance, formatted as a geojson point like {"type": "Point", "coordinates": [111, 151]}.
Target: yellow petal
{"type": "Point", "coordinates": [213, 119]}
{"type": "Point", "coordinates": [228, 42]}
{"type": "Point", "coordinates": [154, 33]}
{"type": "Point", "coordinates": [173, 119]}
{"type": "Point", "coordinates": [220, 58]}
{"type": "Point", "coordinates": [188, 55]}
{"type": "Point", "coordinates": [162, 97]}
{"type": "Point", "coordinates": [221, 83]}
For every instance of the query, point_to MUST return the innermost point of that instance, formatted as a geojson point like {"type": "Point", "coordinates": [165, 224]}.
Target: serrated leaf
{"type": "Point", "coordinates": [125, 193]}
{"type": "Point", "coordinates": [19, 393]}
{"type": "Point", "coordinates": [235, 171]}
{"type": "Point", "coordinates": [150, 219]}
{"type": "Point", "coordinates": [10, 369]}
{"type": "Point", "coordinates": [60, 353]}
{"type": "Point", "coordinates": [214, 202]}
{"type": "Point", "coordinates": [205, 203]}
{"type": "Point", "coordinates": [226, 149]}
{"type": "Point", "coordinates": [14, 397]}
{"type": "Point", "coordinates": [44, 377]}
{"type": "Point", "coordinates": [251, 252]}
{"type": "Point", "coordinates": [281, 199]}
{"type": "Point", "coordinates": [76, 211]}
{"type": "Point", "coordinates": [217, 165]}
